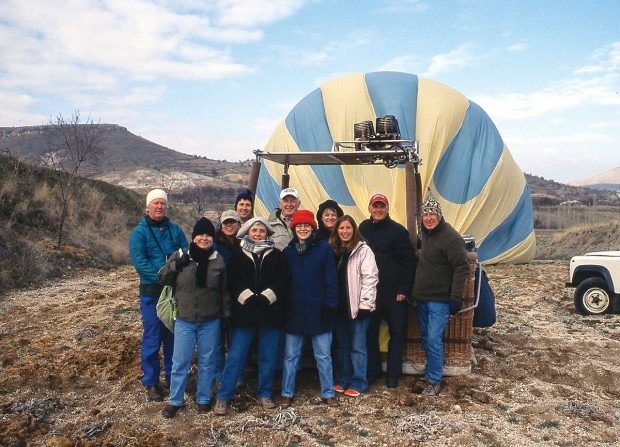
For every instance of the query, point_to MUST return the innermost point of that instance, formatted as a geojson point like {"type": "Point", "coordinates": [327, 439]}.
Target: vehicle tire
{"type": "Point", "coordinates": [592, 297]}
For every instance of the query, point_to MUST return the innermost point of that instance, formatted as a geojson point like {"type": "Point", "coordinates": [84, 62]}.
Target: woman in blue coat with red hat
{"type": "Point", "coordinates": [312, 306]}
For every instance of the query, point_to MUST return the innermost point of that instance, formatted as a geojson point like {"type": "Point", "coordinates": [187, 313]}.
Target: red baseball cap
{"type": "Point", "coordinates": [379, 198]}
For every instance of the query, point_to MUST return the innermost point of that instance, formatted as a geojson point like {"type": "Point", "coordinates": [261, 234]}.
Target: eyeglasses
{"type": "Point", "coordinates": [304, 226]}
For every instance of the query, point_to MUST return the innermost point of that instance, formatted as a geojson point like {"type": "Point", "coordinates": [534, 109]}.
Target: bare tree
{"type": "Point", "coordinates": [70, 144]}
{"type": "Point", "coordinates": [170, 182]}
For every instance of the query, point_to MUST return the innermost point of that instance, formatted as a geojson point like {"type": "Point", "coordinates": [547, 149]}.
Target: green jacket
{"type": "Point", "coordinates": [443, 266]}
{"type": "Point", "coordinates": [196, 304]}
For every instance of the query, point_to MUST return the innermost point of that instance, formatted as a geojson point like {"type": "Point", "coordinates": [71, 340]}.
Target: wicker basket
{"type": "Point", "coordinates": [457, 336]}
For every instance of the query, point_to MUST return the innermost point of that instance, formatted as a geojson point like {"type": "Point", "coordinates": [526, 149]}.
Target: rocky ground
{"type": "Point", "coordinates": [70, 369]}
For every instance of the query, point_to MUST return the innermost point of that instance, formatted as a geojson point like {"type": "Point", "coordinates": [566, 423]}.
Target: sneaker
{"type": "Point", "coordinates": [221, 408]}
{"type": "Point", "coordinates": [169, 411]}
{"type": "Point", "coordinates": [285, 402]}
{"type": "Point", "coordinates": [352, 393]}
{"type": "Point", "coordinates": [266, 403]}
{"type": "Point", "coordinates": [330, 401]}
{"type": "Point", "coordinates": [338, 389]}
{"type": "Point", "coordinates": [431, 389]}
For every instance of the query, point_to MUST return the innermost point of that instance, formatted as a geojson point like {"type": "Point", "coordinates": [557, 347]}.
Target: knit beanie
{"type": "Point", "coordinates": [431, 205]}
{"type": "Point", "coordinates": [303, 216]}
{"type": "Point", "coordinates": [326, 205]}
{"type": "Point", "coordinates": [156, 194]}
{"type": "Point", "coordinates": [247, 195]}
{"type": "Point", "coordinates": [203, 226]}
{"type": "Point", "coordinates": [246, 227]}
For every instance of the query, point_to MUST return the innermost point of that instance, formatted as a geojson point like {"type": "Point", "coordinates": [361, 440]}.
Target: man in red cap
{"type": "Point", "coordinates": [396, 261]}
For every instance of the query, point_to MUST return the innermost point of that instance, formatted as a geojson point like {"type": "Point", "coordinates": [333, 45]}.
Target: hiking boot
{"type": "Point", "coordinates": [266, 403]}
{"type": "Point", "coordinates": [330, 401]}
{"type": "Point", "coordinates": [338, 389]}
{"type": "Point", "coordinates": [391, 381]}
{"type": "Point", "coordinates": [352, 393]}
{"type": "Point", "coordinates": [154, 393]}
{"type": "Point", "coordinates": [431, 389]}
{"type": "Point", "coordinates": [169, 411]}
{"type": "Point", "coordinates": [285, 402]}
{"type": "Point", "coordinates": [419, 385]}
{"type": "Point", "coordinates": [221, 408]}
{"type": "Point", "coordinates": [203, 408]}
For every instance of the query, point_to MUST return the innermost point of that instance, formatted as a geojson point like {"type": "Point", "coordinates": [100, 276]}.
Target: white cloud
{"type": "Point", "coordinates": [402, 63]}
{"type": "Point", "coordinates": [460, 57]}
{"type": "Point", "coordinates": [596, 84]}
{"type": "Point", "coordinates": [190, 139]}
{"type": "Point", "coordinates": [104, 41]}
{"type": "Point", "coordinates": [13, 110]}
{"type": "Point", "coordinates": [403, 6]}
{"type": "Point", "coordinates": [517, 47]}
{"type": "Point", "coordinates": [330, 51]}
{"type": "Point", "coordinates": [251, 13]}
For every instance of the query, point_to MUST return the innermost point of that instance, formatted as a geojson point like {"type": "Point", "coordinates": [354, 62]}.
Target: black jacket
{"type": "Point", "coordinates": [272, 279]}
{"type": "Point", "coordinates": [443, 267]}
{"type": "Point", "coordinates": [394, 254]}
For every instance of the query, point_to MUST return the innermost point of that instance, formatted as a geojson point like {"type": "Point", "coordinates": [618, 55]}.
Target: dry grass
{"type": "Point", "coordinates": [97, 226]}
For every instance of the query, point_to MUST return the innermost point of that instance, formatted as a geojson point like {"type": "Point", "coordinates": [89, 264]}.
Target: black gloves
{"type": "Point", "coordinates": [455, 306]}
{"type": "Point", "coordinates": [263, 300]}
{"type": "Point", "coordinates": [362, 313]}
{"type": "Point", "coordinates": [257, 300]}
{"type": "Point", "coordinates": [181, 262]}
{"type": "Point", "coordinates": [252, 301]}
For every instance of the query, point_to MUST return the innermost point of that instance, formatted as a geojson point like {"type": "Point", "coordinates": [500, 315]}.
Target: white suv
{"type": "Point", "coordinates": [596, 277]}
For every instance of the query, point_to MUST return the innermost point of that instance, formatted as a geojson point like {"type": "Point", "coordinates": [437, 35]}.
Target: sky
{"type": "Point", "coordinates": [215, 77]}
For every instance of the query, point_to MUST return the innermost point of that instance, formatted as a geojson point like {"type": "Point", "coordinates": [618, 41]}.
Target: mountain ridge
{"type": "Point", "coordinates": [139, 164]}
{"type": "Point", "coordinates": [605, 180]}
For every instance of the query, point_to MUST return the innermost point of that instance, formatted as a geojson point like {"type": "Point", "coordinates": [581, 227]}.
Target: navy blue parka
{"type": "Point", "coordinates": [313, 297]}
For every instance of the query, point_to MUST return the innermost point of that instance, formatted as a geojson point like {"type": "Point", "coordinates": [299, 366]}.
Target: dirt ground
{"type": "Point", "coordinates": [70, 369]}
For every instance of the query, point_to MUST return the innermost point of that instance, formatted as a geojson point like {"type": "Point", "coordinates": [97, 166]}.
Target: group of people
{"type": "Point", "coordinates": [275, 282]}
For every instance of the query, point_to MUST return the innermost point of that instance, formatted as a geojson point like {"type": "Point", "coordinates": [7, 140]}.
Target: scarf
{"type": "Point", "coordinates": [202, 258]}
{"type": "Point", "coordinates": [255, 246]}
{"type": "Point", "coordinates": [301, 247]}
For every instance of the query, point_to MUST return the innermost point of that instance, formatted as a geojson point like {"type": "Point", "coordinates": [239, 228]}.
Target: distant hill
{"type": "Point", "coordinates": [548, 192]}
{"type": "Point", "coordinates": [605, 180]}
{"type": "Point", "coordinates": [132, 161]}
{"type": "Point", "coordinates": [139, 164]}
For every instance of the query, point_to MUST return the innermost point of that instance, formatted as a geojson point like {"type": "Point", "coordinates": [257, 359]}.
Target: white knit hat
{"type": "Point", "coordinates": [156, 194]}
{"type": "Point", "coordinates": [246, 226]}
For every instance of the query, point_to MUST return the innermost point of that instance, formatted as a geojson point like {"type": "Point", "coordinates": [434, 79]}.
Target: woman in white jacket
{"type": "Point", "coordinates": [357, 285]}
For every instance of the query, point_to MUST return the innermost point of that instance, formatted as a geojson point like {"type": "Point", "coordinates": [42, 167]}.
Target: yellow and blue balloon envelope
{"type": "Point", "coordinates": [465, 162]}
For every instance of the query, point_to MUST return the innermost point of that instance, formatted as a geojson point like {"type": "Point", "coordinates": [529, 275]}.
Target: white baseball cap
{"type": "Point", "coordinates": [289, 192]}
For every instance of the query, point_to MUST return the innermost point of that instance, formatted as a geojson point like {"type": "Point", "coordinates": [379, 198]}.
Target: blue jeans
{"type": "Point", "coordinates": [154, 335]}
{"type": "Point", "coordinates": [352, 356]}
{"type": "Point", "coordinates": [321, 345]}
{"type": "Point", "coordinates": [187, 335]}
{"type": "Point", "coordinates": [433, 317]}
{"type": "Point", "coordinates": [395, 314]}
{"type": "Point", "coordinates": [240, 343]}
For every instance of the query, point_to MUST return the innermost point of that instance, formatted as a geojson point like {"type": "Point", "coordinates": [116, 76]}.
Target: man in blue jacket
{"type": "Point", "coordinates": [396, 262]}
{"type": "Point", "coordinates": [150, 243]}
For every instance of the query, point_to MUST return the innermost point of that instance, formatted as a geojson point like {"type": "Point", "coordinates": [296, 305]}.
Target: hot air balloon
{"type": "Point", "coordinates": [461, 158]}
